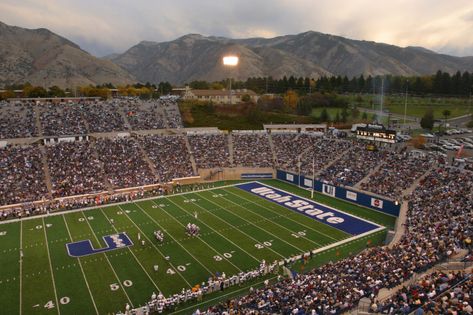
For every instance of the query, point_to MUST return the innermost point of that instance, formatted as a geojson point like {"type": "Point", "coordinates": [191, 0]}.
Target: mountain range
{"type": "Point", "coordinates": [42, 57]}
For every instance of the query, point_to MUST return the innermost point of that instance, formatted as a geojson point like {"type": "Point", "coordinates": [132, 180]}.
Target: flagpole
{"type": "Point", "coordinates": [313, 177]}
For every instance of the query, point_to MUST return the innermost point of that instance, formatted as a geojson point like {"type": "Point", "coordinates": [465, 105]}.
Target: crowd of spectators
{"type": "Point", "coordinates": [252, 150]}
{"type": "Point", "coordinates": [103, 116]}
{"type": "Point", "coordinates": [17, 120]}
{"type": "Point", "coordinates": [21, 175]}
{"type": "Point", "coordinates": [352, 166]}
{"type": "Point", "coordinates": [169, 155]}
{"type": "Point", "coordinates": [144, 115]}
{"type": "Point", "coordinates": [172, 113]}
{"type": "Point", "coordinates": [62, 119]}
{"type": "Point", "coordinates": [210, 150]}
{"type": "Point", "coordinates": [430, 295]}
{"type": "Point", "coordinates": [323, 152]}
{"type": "Point", "coordinates": [439, 223]}
{"type": "Point", "coordinates": [123, 163]}
{"type": "Point", "coordinates": [396, 173]}
{"type": "Point", "coordinates": [74, 169]}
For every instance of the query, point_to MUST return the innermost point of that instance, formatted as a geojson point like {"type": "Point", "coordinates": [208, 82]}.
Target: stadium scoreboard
{"type": "Point", "coordinates": [376, 134]}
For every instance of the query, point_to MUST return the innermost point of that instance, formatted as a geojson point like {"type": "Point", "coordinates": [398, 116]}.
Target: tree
{"type": "Point", "coordinates": [445, 114]}
{"type": "Point", "coordinates": [364, 116]}
{"type": "Point", "coordinates": [246, 98]}
{"type": "Point", "coordinates": [324, 116]}
{"type": "Point", "coordinates": [291, 98]}
{"type": "Point", "coordinates": [344, 115]}
{"type": "Point", "coordinates": [427, 121]}
{"type": "Point", "coordinates": [304, 107]}
{"type": "Point", "coordinates": [337, 117]}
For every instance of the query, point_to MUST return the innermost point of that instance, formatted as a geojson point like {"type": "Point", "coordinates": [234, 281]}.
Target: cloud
{"type": "Point", "coordinates": [107, 26]}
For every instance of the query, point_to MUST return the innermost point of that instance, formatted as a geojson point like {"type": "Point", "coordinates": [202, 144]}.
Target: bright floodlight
{"type": "Point", "coordinates": [230, 60]}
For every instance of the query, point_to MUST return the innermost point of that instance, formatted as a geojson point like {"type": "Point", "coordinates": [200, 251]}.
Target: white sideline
{"type": "Point", "coordinates": [81, 269]}
{"type": "Point", "coordinates": [60, 212]}
{"type": "Point", "coordinates": [51, 266]}
{"type": "Point", "coordinates": [106, 257]}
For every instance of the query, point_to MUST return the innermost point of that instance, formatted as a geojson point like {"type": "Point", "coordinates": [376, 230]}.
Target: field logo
{"type": "Point", "coordinates": [351, 195]}
{"type": "Point", "coordinates": [85, 248]}
{"type": "Point", "coordinates": [314, 210]}
{"type": "Point", "coordinates": [378, 203]}
{"type": "Point", "coordinates": [328, 190]}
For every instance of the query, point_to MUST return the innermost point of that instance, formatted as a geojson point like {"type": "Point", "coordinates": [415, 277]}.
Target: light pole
{"type": "Point", "coordinates": [230, 61]}
{"type": "Point", "coordinates": [405, 103]}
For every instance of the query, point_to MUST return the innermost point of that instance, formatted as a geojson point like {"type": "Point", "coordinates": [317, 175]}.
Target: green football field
{"type": "Point", "coordinates": [238, 230]}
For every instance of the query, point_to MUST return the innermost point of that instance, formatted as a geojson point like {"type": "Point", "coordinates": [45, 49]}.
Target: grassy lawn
{"type": "Point", "coordinates": [238, 230]}
{"type": "Point", "coordinates": [417, 106]}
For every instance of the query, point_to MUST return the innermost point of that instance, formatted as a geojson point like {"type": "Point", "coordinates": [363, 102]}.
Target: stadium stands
{"type": "Point", "coordinates": [17, 121]}
{"type": "Point", "coordinates": [123, 163]}
{"type": "Point", "coordinates": [252, 150]}
{"type": "Point", "coordinates": [169, 156]}
{"type": "Point", "coordinates": [21, 176]}
{"type": "Point", "coordinates": [210, 150]}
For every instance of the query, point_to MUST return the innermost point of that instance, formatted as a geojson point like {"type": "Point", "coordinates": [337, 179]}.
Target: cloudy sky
{"type": "Point", "coordinates": [107, 26]}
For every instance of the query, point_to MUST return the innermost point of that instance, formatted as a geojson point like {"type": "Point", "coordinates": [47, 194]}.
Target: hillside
{"type": "Point", "coordinates": [44, 58]}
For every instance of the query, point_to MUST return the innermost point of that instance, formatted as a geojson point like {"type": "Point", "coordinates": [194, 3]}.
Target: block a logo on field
{"type": "Point", "coordinates": [85, 247]}
{"type": "Point", "coordinates": [319, 212]}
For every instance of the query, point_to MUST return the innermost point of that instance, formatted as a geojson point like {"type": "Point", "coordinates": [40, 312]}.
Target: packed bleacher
{"type": "Point", "coordinates": [144, 115]}
{"type": "Point", "coordinates": [252, 150]}
{"type": "Point", "coordinates": [397, 173]}
{"type": "Point", "coordinates": [123, 163]}
{"type": "Point", "coordinates": [210, 150]}
{"type": "Point", "coordinates": [62, 119]}
{"type": "Point", "coordinates": [352, 166]}
{"type": "Point", "coordinates": [169, 155]}
{"type": "Point", "coordinates": [430, 293]}
{"type": "Point", "coordinates": [22, 175]}
{"type": "Point", "coordinates": [22, 120]}
{"type": "Point", "coordinates": [439, 223]}
{"type": "Point", "coordinates": [17, 120]}
{"type": "Point", "coordinates": [74, 169]}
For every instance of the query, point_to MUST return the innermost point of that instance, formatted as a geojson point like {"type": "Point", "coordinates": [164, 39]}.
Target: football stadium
{"type": "Point", "coordinates": [145, 172]}
{"type": "Point", "coordinates": [205, 220]}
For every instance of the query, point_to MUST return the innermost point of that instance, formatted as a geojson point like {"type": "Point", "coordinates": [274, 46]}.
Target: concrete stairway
{"type": "Point", "coordinates": [47, 174]}
{"type": "Point", "coordinates": [37, 116]}
{"type": "Point", "coordinates": [365, 179]}
{"type": "Point", "coordinates": [95, 154]}
{"type": "Point", "coordinates": [150, 163]}
{"type": "Point", "coordinates": [401, 220]}
{"type": "Point", "coordinates": [230, 148]}
{"type": "Point", "coordinates": [191, 154]}
{"type": "Point", "coordinates": [271, 145]}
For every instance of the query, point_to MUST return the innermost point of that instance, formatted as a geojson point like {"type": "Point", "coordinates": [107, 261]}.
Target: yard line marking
{"type": "Point", "coordinates": [51, 266]}
{"type": "Point", "coordinates": [282, 256]}
{"type": "Point", "coordinates": [21, 264]}
{"type": "Point", "coordinates": [251, 223]}
{"type": "Point", "coordinates": [217, 231]}
{"type": "Point", "coordinates": [106, 257]}
{"type": "Point", "coordinates": [205, 267]}
{"type": "Point", "coordinates": [152, 281]}
{"type": "Point", "coordinates": [154, 245]}
{"type": "Point", "coordinates": [200, 238]}
{"type": "Point", "coordinates": [80, 265]}
{"type": "Point", "coordinates": [39, 216]}
{"type": "Point", "coordinates": [269, 209]}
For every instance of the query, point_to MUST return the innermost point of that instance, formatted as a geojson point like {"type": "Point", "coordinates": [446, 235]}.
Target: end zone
{"type": "Point", "coordinates": [322, 213]}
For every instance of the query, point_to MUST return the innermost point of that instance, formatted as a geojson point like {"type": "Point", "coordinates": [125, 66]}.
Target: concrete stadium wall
{"type": "Point", "coordinates": [363, 199]}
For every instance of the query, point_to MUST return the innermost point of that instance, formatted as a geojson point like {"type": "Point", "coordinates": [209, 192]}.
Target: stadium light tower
{"type": "Point", "coordinates": [230, 61]}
